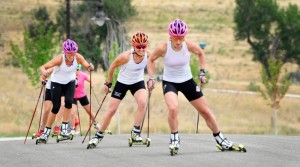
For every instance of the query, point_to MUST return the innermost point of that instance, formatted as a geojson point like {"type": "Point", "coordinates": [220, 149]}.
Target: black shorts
{"type": "Point", "coordinates": [83, 101]}
{"type": "Point", "coordinates": [48, 95]}
{"type": "Point", "coordinates": [120, 89]}
{"type": "Point", "coordinates": [189, 89]}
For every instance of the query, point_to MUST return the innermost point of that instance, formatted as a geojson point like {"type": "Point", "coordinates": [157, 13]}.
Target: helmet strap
{"type": "Point", "coordinates": [134, 52]}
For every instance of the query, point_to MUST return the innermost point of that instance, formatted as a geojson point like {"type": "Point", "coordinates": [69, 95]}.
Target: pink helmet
{"type": "Point", "coordinates": [69, 46]}
{"type": "Point", "coordinates": [178, 28]}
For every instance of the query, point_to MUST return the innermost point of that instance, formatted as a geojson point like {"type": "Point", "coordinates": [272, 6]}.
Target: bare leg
{"type": "Point", "coordinates": [141, 98]}
{"type": "Point", "coordinates": [47, 109]}
{"type": "Point", "coordinates": [202, 108]}
{"type": "Point", "coordinates": [172, 103]}
{"type": "Point", "coordinates": [113, 105]}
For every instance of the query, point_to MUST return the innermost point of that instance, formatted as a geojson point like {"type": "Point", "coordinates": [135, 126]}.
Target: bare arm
{"type": "Point", "coordinates": [80, 60]}
{"type": "Point", "coordinates": [158, 52]}
{"type": "Point", "coordinates": [194, 48]}
{"type": "Point", "coordinates": [121, 59]}
{"type": "Point", "coordinates": [45, 69]}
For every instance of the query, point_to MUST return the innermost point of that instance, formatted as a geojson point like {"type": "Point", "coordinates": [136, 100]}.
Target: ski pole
{"type": "Point", "coordinates": [42, 109]}
{"type": "Point", "coordinates": [197, 123]}
{"type": "Point", "coordinates": [90, 101]}
{"type": "Point", "coordinates": [147, 110]}
{"type": "Point", "coordinates": [95, 117]}
{"type": "Point", "coordinates": [95, 96]}
{"type": "Point", "coordinates": [148, 115]}
{"type": "Point", "coordinates": [34, 112]}
{"type": "Point", "coordinates": [202, 46]}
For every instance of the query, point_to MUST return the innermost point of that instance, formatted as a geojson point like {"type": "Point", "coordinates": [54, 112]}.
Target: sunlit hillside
{"type": "Point", "coordinates": [228, 62]}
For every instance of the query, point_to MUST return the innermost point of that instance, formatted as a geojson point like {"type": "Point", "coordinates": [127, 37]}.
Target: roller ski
{"type": "Point", "coordinates": [239, 148]}
{"type": "Point", "coordinates": [44, 137]}
{"type": "Point", "coordinates": [97, 126]}
{"type": "Point", "coordinates": [95, 140]}
{"type": "Point", "coordinates": [108, 132]}
{"type": "Point", "coordinates": [38, 134]}
{"type": "Point", "coordinates": [136, 138]}
{"type": "Point", "coordinates": [56, 131]}
{"type": "Point", "coordinates": [131, 142]}
{"type": "Point", "coordinates": [174, 143]}
{"type": "Point", "coordinates": [64, 135]}
{"type": "Point", "coordinates": [225, 145]}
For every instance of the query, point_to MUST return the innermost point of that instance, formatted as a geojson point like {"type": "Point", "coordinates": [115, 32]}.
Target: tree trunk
{"type": "Point", "coordinates": [275, 117]}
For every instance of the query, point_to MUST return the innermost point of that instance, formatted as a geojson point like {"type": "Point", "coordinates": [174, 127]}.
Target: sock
{"type": "Point", "coordinates": [216, 134]}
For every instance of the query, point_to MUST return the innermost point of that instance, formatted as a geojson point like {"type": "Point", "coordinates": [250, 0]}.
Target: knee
{"type": "Point", "coordinates": [207, 114]}
{"type": "Point", "coordinates": [173, 111]}
{"type": "Point", "coordinates": [111, 112]}
{"type": "Point", "coordinates": [142, 104]}
{"type": "Point", "coordinates": [55, 109]}
{"type": "Point", "coordinates": [68, 104]}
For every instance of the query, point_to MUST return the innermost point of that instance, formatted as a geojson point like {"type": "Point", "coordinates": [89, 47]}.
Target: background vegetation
{"type": "Point", "coordinates": [229, 63]}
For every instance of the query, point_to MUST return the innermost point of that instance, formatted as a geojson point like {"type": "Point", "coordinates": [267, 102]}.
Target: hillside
{"type": "Point", "coordinates": [228, 62]}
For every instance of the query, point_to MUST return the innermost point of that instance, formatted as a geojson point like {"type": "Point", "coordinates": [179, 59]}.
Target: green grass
{"type": "Point", "coordinates": [229, 63]}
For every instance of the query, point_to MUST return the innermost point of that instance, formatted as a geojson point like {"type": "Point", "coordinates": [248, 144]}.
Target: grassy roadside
{"type": "Point", "coordinates": [228, 62]}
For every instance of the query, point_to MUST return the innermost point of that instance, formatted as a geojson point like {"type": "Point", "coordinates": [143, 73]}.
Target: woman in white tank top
{"type": "Point", "coordinates": [62, 82]}
{"type": "Point", "coordinates": [130, 77]}
{"type": "Point", "coordinates": [177, 77]}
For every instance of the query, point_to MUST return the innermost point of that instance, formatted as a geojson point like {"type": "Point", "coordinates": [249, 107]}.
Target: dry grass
{"type": "Point", "coordinates": [228, 63]}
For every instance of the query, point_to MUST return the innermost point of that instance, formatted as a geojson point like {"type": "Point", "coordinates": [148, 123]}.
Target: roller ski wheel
{"type": "Point", "coordinates": [108, 132]}
{"type": "Point", "coordinates": [55, 135]}
{"type": "Point", "coordinates": [38, 141]}
{"type": "Point", "coordinates": [147, 142]}
{"type": "Point", "coordinates": [173, 150]}
{"type": "Point", "coordinates": [33, 136]}
{"type": "Point", "coordinates": [239, 148]}
{"type": "Point", "coordinates": [62, 138]}
{"type": "Point", "coordinates": [91, 145]}
{"type": "Point", "coordinates": [132, 142]}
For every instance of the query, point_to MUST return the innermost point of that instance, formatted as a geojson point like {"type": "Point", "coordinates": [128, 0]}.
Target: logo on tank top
{"type": "Point", "coordinates": [197, 88]}
{"type": "Point", "coordinates": [184, 53]}
{"type": "Point", "coordinates": [118, 94]}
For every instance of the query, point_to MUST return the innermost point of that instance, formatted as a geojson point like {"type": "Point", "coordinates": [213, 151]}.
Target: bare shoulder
{"type": "Point", "coordinates": [79, 57]}
{"type": "Point", "coordinates": [161, 49]}
{"type": "Point", "coordinates": [123, 57]}
{"type": "Point", "coordinates": [57, 60]}
{"type": "Point", "coordinates": [191, 44]}
{"type": "Point", "coordinates": [193, 47]}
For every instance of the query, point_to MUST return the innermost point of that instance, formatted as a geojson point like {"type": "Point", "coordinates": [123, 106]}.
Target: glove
{"type": "Point", "coordinates": [153, 82]}
{"type": "Point", "coordinates": [201, 75]}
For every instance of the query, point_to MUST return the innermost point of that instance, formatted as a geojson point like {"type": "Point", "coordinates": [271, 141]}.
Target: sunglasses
{"type": "Point", "coordinates": [178, 39]}
{"type": "Point", "coordinates": [141, 46]}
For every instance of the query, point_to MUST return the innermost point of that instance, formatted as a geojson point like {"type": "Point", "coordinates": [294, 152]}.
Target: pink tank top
{"type": "Point", "coordinates": [80, 90]}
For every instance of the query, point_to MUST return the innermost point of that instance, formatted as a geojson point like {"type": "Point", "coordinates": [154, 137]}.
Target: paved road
{"type": "Point", "coordinates": [113, 151]}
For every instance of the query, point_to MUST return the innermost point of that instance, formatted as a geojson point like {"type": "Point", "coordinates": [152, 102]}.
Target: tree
{"type": "Point", "coordinates": [273, 35]}
{"type": "Point", "coordinates": [91, 37]}
{"type": "Point", "coordinates": [39, 44]}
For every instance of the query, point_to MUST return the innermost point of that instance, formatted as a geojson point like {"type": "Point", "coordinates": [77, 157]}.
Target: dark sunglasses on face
{"type": "Point", "coordinates": [141, 46]}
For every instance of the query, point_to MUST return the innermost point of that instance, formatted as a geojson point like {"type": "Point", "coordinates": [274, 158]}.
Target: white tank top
{"type": "Point", "coordinates": [132, 72]}
{"type": "Point", "coordinates": [177, 64]}
{"type": "Point", "coordinates": [63, 74]}
{"type": "Point", "coordinates": [48, 84]}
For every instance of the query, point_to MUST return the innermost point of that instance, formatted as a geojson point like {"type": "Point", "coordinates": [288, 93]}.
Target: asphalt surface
{"type": "Point", "coordinates": [113, 151]}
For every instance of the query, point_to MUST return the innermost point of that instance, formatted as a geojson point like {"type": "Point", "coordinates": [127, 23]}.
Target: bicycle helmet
{"type": "Point", "coordinates": [139, 38]}
{"type": "Point", "coordinates": [177, 28]}
{"type": "Point", "coordinates": [69, 46]}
